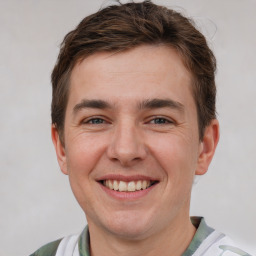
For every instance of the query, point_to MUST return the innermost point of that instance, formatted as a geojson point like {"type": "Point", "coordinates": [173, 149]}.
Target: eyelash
{"type": "Point", "coordinates": [161, 119]}
{"type": "Point", "coordinates": [154, 121]}
{"type": "Point", "coordinates": [92, 121]}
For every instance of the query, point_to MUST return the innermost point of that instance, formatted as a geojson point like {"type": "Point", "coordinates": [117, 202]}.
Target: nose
{"type": "Point", "coordinates": [127, 145]}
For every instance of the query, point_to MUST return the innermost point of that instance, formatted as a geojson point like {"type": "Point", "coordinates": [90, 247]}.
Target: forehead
{"type": "Point", "coordinates": [146, 70]}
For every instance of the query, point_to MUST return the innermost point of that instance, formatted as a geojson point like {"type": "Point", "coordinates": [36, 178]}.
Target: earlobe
{"type": "Point", "coordinates": [207, 147]}
{"type": "Point", "coordinates": [60, 149]}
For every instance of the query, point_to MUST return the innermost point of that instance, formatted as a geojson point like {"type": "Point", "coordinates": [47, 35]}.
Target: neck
{"type": "Point", "coordinates": [172, 240]}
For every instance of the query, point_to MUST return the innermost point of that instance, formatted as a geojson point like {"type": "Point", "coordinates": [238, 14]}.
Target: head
{"type": "Point", "coordinates": [133, 116]}
{"type": "Point", "coordinates": [122, 27]}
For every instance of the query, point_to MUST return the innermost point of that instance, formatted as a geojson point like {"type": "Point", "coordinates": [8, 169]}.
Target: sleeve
{"type": "Point", "coordinates": [48, 249]}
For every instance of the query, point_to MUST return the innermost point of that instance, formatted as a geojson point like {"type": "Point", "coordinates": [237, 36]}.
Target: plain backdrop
{"type": "Point", "coordinates": [37, 205]}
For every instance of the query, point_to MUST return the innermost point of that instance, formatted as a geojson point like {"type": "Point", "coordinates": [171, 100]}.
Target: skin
{"type": "Point", "coordinates": [122, 135]}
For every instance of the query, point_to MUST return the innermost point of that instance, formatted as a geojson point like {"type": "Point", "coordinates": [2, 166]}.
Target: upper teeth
{"type": "Point", "coordinates": [127, 186]}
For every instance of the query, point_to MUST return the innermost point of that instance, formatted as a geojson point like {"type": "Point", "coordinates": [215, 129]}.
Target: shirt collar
{"type": "Point", "coordinates": [202, 232]}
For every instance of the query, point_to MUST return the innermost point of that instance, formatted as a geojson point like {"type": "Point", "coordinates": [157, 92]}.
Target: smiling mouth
{"type": "Point", "coordinates": [131, 186]}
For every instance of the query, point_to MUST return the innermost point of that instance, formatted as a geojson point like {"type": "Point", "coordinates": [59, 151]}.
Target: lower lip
{"type": "Point", "coordinates": [127, 195]}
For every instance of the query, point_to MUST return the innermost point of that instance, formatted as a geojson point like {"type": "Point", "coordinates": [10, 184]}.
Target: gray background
{"type": "Point", "coordinates": [37, 205]}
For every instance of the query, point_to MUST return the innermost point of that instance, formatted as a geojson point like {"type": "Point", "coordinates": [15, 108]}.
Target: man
{"type": "Point", "coordinates": [133, 121]}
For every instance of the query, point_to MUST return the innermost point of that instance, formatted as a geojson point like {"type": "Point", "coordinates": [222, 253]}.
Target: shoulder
{"type": "Point", "coordinates": [218, 244]}
{"type": "Point", "coordinates": [226, 245]}
{"type": "Point", "coordinates": [68, 243]}
{"type": "Point", "coordinates": [210, 242]}
{"type": "Point", "coordinates": [48, 249]}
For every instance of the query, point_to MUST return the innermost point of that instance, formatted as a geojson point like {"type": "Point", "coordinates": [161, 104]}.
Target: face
{"type": "Point", "coordinates": [131, 140]}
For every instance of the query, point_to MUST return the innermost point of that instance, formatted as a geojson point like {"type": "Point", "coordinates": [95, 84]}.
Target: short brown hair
{"type": "Point", "coordinates": [124, 26]}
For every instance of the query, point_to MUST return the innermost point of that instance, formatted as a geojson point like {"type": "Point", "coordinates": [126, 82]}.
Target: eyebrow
{"type": "Point", "coordinates": [146, 104]}
{"type": "Point", "coordinates": [161, 103]}
{"type": "Point", "coordinates": [100, 104]}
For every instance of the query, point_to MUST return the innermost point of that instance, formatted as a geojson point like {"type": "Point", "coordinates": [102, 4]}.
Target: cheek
{"type": "Point", "coordinates": [175, 154]}
{"type": "Point", "coordinates": [83, 154]}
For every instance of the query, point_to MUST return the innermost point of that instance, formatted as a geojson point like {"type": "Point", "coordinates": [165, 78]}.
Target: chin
{"type": "Point", "coordinates": [130, 226]}
{"type": "Point", "coordinates": [130, 232]}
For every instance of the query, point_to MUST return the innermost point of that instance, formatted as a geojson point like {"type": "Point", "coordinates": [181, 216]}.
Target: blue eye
{"type": "Point", "coordinates": [160, 121]}
{"type": "Point", "coordinates": [96, 121]}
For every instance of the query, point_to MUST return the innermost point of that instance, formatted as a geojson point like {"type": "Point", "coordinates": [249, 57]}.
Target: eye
{"type": "Point", "coordinates": [160, 120]}
{"type": "Point", "coordinates": [95, 121]}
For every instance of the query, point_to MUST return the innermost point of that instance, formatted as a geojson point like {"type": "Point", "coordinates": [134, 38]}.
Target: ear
{"type": "Point", "coordinates": [207, 147]}
{"type": "Point", "coordinates": [60, 149]}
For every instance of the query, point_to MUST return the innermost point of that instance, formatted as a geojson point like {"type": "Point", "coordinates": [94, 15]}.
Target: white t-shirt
{"type": "Point", "coordinates": [206, 242]}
